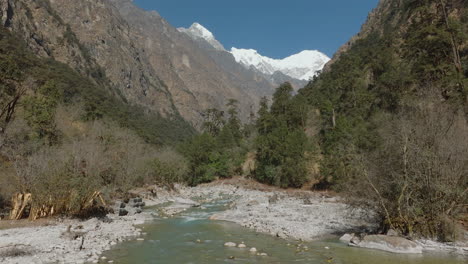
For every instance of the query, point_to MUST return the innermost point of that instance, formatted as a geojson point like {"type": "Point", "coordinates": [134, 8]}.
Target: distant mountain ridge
{"type": "Point", "coordinates": [301, 66]}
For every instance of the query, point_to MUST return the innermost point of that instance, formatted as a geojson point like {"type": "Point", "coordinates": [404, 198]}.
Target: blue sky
{"type": "Point", "coordinates": [276, 28]}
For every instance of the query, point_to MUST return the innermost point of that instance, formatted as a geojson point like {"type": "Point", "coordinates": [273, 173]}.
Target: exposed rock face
{"type": "Point", "coordinates": [227, 61]}
{"type": "Point", "coordinates": [147, 61]}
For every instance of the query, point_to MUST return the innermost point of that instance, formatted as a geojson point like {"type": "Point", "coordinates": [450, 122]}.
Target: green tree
{"type": "Point", "coordinates": [281, 142]}
{"type": "Point", "coordinates": [40, 110]}
{"type": "Point", "coordinates": [214, 121]}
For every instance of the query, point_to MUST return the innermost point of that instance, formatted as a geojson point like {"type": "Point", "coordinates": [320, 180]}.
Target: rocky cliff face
{"type": "Point", "coordinates": [144, 59]}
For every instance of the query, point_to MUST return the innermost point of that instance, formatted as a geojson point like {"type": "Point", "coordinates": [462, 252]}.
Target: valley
{"type": "Point", "coordinates": [127, 139]}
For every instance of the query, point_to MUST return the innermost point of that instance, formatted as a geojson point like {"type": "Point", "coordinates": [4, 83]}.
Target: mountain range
{"type": "Point", "coordinates": [146, 61]}
{"type": "Point", "coordinates": [300, 67]}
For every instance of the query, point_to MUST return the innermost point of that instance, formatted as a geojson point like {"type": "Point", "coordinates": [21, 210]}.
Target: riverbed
{"type": "Point", "coordinates": [191, 237]}
{"type": "Point", "coordinates": [192, 225]}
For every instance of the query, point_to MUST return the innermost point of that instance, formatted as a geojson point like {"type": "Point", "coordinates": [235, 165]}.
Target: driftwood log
{"type": "Point", "coordinates": [19, 203]}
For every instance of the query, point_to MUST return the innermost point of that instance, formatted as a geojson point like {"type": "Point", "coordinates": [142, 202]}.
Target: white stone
{"type": "Point", "coordinates": [389, 243]}
{"type": "Point", "coordinates": [241, 246]}
{"type": "Point", "coordinates": [346, 238]}
{"type": "Point", "coordinates": [230, 244]}
{"type": "Point", "coordinates": [253, 250]}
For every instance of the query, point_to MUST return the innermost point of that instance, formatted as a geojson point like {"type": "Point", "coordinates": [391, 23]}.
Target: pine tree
{"type": "Point", "coordinates": [281, 142]}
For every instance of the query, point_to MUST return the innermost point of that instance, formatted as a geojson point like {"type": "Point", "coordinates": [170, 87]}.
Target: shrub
{"type": "Point", "coordinates": [168, 168]}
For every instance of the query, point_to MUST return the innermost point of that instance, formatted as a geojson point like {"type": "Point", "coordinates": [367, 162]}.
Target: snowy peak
{"type": "Point", "coordinates": [199, 32]}
{"type": "Point", "coordinates": [303, 65]}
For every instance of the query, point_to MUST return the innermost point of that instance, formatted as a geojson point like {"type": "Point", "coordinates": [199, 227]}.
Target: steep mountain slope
{"type": "Point", "coordinates": [147, 62]}
{"type": "Point", "coordinates": [393, 120]}
{"type": "Point", "coordinates": [199, 33]}
{"type": "Point", "coordinates": [297, 69]}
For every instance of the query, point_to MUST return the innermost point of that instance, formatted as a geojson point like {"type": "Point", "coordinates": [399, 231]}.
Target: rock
{"type": "Point", "coordinates": [388, 243]}
{"type": "Point", "coordinates": [263, 254]}
{"type": "Point", "coordinates": [123, 212]}
{"type": "Point", "coordinates": [307, 201]}
{"type": "Point", "coordinates": [241, 245]}
{"type": "Point", "coordinates": [253, 250]}
{"type": "Point", "coordinates": [122, 205]}
{"type": "Point", "coordinates": [281, 234]}
{"type": "Point", "coordinates": [106, 219]}
{"type": "Point", "coordinates": [273, 199]}
{"type": "Point", "coordinates": [346, 238]}
{"type": "Point", "coordinates": [138, 211]}
{"type": "Point", "coordinates": [252, 203]}
{"type": "Point", "coordinates": [230, 244]}
{"type": "Point", "coordinates": [140, 239]}
{"type": "Point", "coordinates": [392, 232]}
{"type": "Point", "coordinates": [213, 217]}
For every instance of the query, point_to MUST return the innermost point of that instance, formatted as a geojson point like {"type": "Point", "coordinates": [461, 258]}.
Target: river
{"type": "Point", "coordinates": [192, 238]}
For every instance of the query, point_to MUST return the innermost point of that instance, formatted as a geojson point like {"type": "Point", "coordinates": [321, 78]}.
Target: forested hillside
{"type": "Point", "coordinates": [393, 110]}
{"type": "Point", "coordinates": [63, 137]}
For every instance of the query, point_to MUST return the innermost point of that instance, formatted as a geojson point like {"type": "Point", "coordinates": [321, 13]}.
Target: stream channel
{"type": "Point", "coordinates": [191, 237]}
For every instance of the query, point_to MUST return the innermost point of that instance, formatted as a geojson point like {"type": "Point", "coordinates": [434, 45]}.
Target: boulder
{"type": "Point", "coordinates": [346, 238]}
{"type": "Point", "coordinates": [253, 250]}
{"type": "Point", "coordinates": [241, 245]}
{"type": "Point", "coordinates": [387, 243]}
{"type": "Point", "coordinates": [123, 212]}
{"type": "Point", "coordinates": [230, 244]}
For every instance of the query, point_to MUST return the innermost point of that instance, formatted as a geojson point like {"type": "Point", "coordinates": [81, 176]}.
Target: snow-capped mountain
{"type": "Point", "coordinates": [301, 66]}
{"type": "Point", "coordinates": [197, 32]}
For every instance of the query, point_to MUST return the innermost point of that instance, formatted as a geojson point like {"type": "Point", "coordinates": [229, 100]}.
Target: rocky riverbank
{"type": "Point", "coordinates": [67, 241]}
{"type": "Point", "coordinates": [297, 215]}
{"type": "Point", "coordinates": [290, 214]}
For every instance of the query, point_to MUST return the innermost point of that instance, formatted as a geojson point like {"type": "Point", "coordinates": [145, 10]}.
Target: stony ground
{"type": "Point", "coordinates": [291, 214]}
{"type": "Point", "coordinates": [284, 213]}
{"type": "Point", "coordinates": [56, 243]}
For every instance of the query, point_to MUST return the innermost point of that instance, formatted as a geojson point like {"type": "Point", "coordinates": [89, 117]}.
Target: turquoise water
{"type": "Point", "coordinates": [192, 238]}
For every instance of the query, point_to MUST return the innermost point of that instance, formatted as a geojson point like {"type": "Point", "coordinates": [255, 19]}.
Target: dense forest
{"type": "Point", "coordinates": [393, 114]}
{"type": "Point", "coordinates": [385, 125]}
